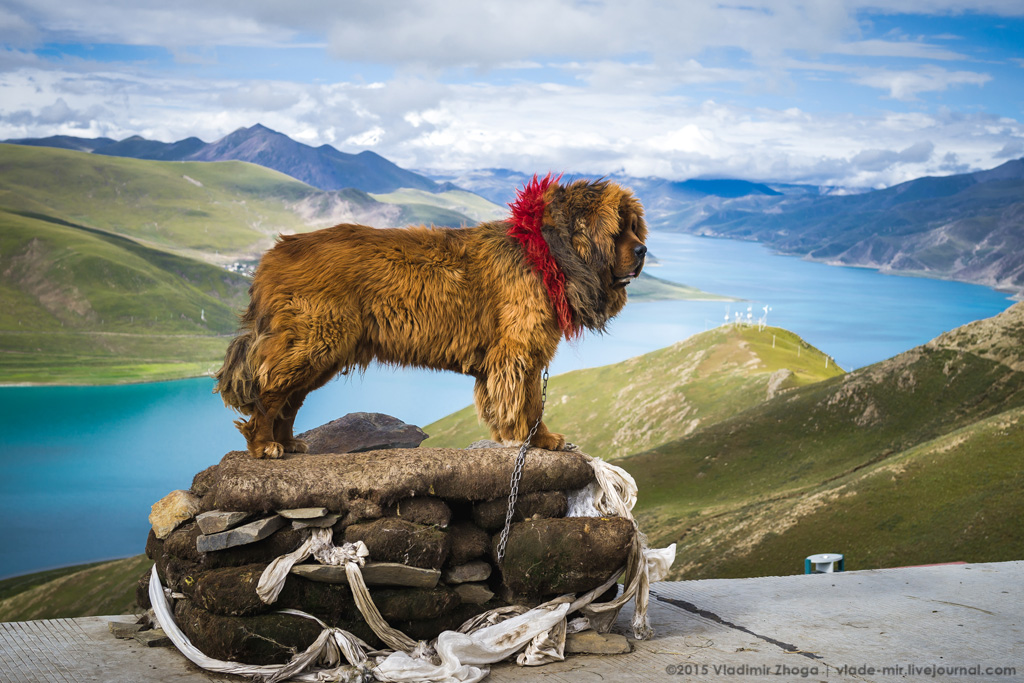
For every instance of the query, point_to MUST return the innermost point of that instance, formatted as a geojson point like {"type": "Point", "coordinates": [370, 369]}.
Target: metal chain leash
{"type": "Point", "coordinates": [517, 471]}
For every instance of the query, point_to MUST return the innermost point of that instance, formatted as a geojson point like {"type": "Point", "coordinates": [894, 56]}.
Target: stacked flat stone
{"type": "Point", "coordinates": [430, 519]}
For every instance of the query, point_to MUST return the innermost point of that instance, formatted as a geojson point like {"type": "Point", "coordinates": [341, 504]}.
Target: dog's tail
{"type": "Point", "coordinates": [236, 381]}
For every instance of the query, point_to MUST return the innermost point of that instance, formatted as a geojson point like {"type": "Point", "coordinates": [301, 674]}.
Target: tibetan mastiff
{"type": "Point", "coordinates": [491, 301]}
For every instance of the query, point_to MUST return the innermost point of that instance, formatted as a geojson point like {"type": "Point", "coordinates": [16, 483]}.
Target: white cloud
{"type": "Point", "coordinates": [420, 123]}
{"type": "Point", "coordinates": [883, 159]}
{"type": "Point", "coordinates": [906, 49]}
{"type": "Point", "coordinates": [906, 85]}
{"type": "Point", "coordinates": [701, 88]}
{"type": "Point", "coordinates": [1014, 149]}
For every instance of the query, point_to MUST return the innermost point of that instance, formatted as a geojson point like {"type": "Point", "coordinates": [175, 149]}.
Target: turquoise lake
{"type": "Point", "coordinates": [80, 466]}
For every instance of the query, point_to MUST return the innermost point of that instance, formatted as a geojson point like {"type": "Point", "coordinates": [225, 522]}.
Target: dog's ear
{"type": "Point", "coordinates": [631, 216]}
{"type": "Point", "coordinates": [581, 241]}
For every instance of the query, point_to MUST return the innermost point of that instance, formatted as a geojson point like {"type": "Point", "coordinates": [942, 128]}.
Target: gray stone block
{"type": "Point", "coordinates": [215, 521]}
{"type": "Point", "coordinates": [317, 522]}
{"type": "Point", "coordinates": [124, 630]}
{"type": "Point", "coordinates": [303, 513]}
{"type": "Point", "coordinates": [469, 572]}
{"type": "Point", "coordinates": [153, 638]}
{"type": "Point", "coordinates": [473, 593]}
{"type": "Point", "coordinates": [247, 533]}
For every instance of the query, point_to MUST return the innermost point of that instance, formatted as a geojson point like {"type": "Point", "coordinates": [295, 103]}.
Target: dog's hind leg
{"type": "Point", "coordinates": [319, 343]}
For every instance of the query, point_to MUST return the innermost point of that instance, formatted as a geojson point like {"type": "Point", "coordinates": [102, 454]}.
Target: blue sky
{"type": "Point", "coordinates": [828, 92]}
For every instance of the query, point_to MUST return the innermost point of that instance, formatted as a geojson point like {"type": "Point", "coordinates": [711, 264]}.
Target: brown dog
{"type": "Point", "coordinates": [491, 301]}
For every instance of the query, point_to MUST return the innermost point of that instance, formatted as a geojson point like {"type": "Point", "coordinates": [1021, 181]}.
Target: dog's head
{"type": "Point", "coordinates": [596, 232]}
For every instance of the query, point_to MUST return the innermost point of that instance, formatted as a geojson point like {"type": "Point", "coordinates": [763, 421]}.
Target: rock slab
{"type": "Point", "coordinates": [468, 573]}
{"type": "Point", "coordinates": [215, 521]}
{"type": "Point", "coordinates": [358, 432]}
{"type": "Point", "coordinates": [247, 533]}
{"type": "Point", "coordinates": [377, 479]}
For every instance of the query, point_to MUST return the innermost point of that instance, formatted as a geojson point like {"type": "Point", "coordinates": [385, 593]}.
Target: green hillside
{"type": "Point", "coordinates": [620, 409]}
{"type": "Point", "coordinates": [110, 268]}
{"type": "Point", "coordinates": [89, 590]}
{"type": "Point", "coordinates": [82, 305]}
{"type": "Point", "coordinates": [214, 211]}
{"type": "Point", "coordinates": [194, 208]}
{"type": "Point", "coordinates": [913, 460]}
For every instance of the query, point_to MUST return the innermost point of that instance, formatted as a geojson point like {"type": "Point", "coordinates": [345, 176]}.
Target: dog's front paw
{"type": "Point", "coordinates": [266, 449]}
{"type": "Point", "coordinates": [549, 441]}
{"type": "Point", "coordinates": [296, 446]}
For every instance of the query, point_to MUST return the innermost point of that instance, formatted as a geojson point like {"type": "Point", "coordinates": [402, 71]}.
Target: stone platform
{"type": "Point", "coordinates": [879, 625]}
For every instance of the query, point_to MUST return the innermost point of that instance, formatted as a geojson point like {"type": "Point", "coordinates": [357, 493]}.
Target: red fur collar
{"type": "Point", "coordinates": [524, 226]}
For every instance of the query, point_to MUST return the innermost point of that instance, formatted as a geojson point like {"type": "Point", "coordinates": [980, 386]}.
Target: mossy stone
{"type": "Point", "coordinates": [391, 539]}
{"type": "Point", "coordinates": [569, 555]}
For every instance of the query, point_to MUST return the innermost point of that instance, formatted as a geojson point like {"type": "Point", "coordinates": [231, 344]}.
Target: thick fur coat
{"type": "Point", "coordinates": [467, 300]}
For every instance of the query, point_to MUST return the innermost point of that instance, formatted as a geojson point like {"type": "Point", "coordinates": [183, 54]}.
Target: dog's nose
{"type": "Point", "coordinates": [640, 251]}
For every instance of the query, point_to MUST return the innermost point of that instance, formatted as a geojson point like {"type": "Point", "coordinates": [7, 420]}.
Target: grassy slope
{"type": "Point", "coordinates": [82, 305]}
{"type": "Point", "coordinates": [191, 207]}
{"type": "Point", "coordinates": [90, 590]}
{"type": "Point", "coordinates": [102, 259]}
{"type": "Point", "coordinates": [910, 461]}
{"type": "Point", "coordinates": [627, 407]}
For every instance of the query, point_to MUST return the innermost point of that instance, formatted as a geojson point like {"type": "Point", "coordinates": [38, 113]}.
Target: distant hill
{"type": "Point", "coordinates": [99, 589]}
{"type": "Point", "coordinates": [621, 409]}
{"type": "Point", "coordinates": [322, 167]}
{"type": "Point", "coordinates": [966, 227]}
{"type": "Point", "coordinates": [65, 142]}
{"type": "Point", "coordinates": [81, 305]}
{"type": "Point", "coordinates": [913, 460]}
{"type": "Point", "coordinates": [113, 270]}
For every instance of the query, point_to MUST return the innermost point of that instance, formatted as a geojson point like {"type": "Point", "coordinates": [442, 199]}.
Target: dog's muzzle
{"type": "Point", "coordinates": [622, 280]}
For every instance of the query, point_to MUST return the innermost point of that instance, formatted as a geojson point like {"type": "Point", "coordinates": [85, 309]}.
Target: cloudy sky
{"type": "Point", "coordinates": [828, 92]}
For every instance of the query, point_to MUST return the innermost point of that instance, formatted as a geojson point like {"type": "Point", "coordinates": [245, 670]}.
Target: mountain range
{"type": "Point", "coordinates": [964, 227]}
{"type": "Point", "coordinates": [967, 227]}
{"type": "Point", "coordinates": [326, 168]}
{"type": "Point", "coordinates": [323, 167]}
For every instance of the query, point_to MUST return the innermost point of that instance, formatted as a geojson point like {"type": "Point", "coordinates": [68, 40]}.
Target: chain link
{"type": "Point", "coordinates": [517, 471]}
